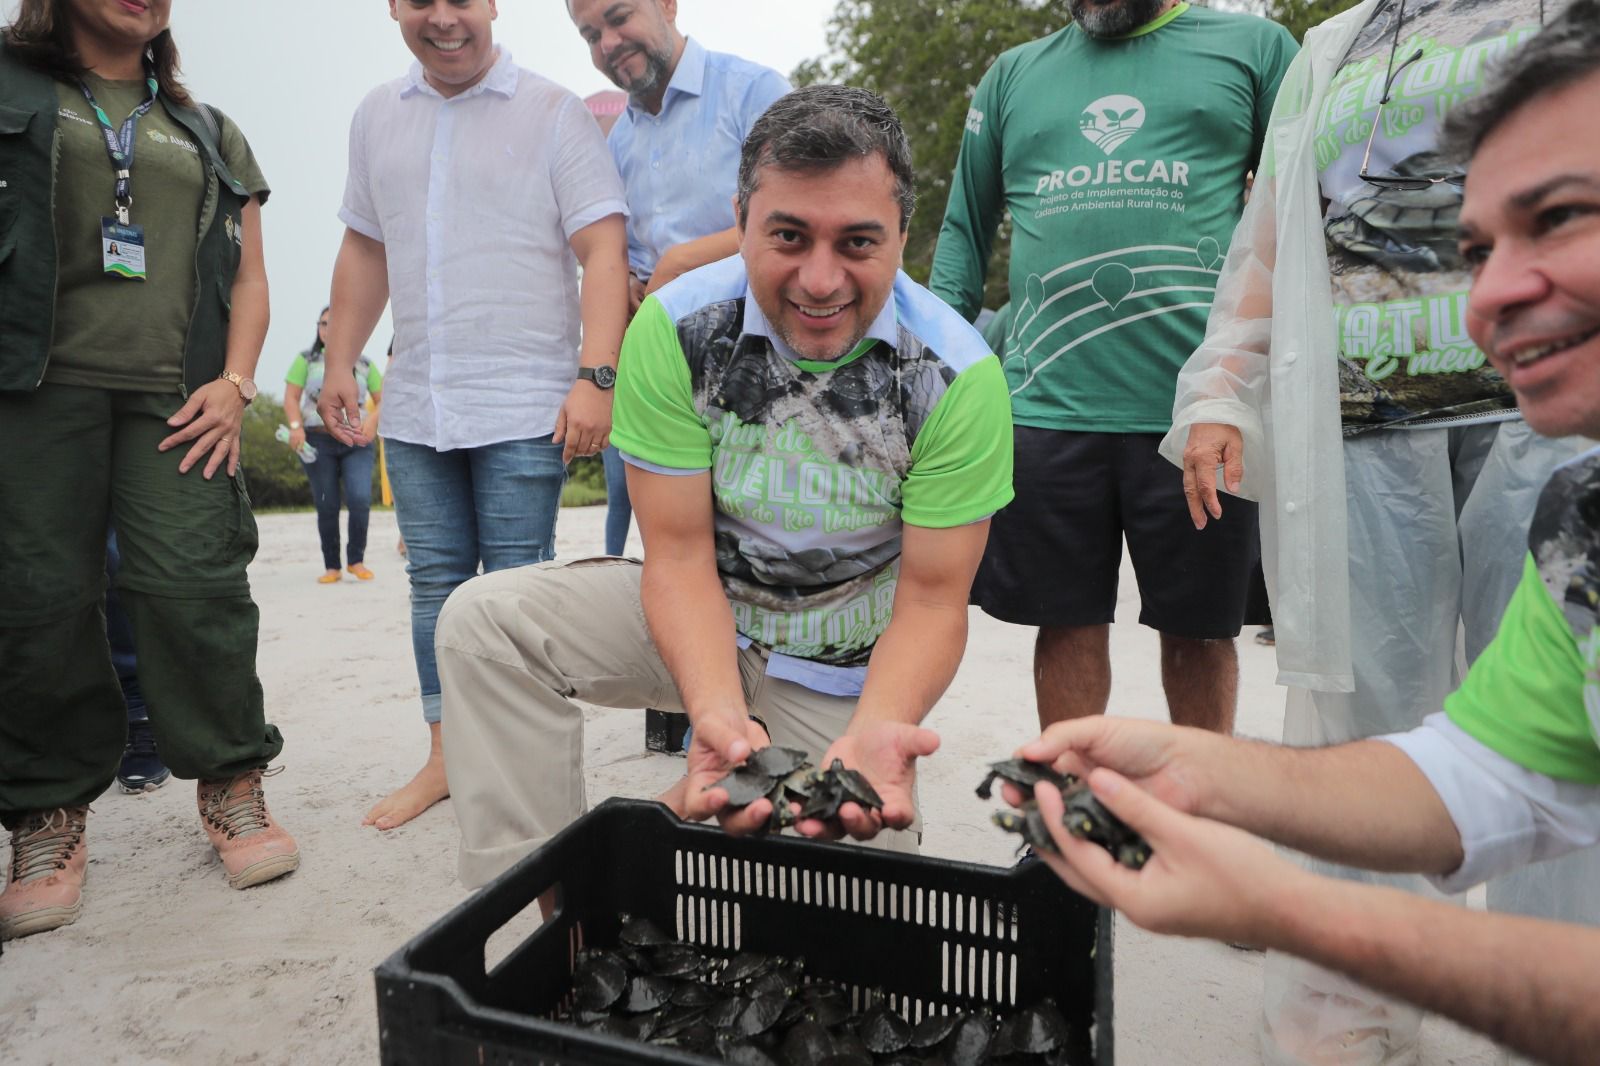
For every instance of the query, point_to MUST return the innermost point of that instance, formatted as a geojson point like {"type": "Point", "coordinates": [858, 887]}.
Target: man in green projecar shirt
{"type": "Point", "coordinates": [1120, 147]}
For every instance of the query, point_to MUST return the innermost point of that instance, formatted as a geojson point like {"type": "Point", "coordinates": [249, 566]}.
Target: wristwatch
{"type": "Point", "coordinates": [246, 387]}
{"type": "Point", "coordinates": [603, 376]}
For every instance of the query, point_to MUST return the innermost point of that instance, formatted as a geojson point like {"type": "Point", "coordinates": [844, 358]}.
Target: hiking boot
{"type": "Point", "coordinates": [142, 769]}
{"type": "Point", "coordinates": [253, 847]}
{"type": "Point", "coordinates": [48, 857]}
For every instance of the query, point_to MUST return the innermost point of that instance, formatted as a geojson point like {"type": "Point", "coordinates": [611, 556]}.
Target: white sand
{"type": "Point", "coordinates": [169, 965]}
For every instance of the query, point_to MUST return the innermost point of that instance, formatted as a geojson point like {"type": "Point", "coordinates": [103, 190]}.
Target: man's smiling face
{"type": "Point", "coordinates": [630, 41]}
{"type": "Point", "coordinates": [821, 248]}
{"type": "Point", "coordinates": [1530, 227]}
{"type": "Point", "coordinates": [452, 39]}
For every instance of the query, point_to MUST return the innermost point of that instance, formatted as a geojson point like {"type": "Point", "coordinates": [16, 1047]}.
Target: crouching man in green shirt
{"type": "Point", "coordinates": [815, 445]}
{"type": "Point", "coordinates": [1509, 773]}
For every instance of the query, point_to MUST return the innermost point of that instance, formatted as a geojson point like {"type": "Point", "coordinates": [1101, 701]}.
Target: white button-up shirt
{"type": "Point", "coordinates": [475, 199]}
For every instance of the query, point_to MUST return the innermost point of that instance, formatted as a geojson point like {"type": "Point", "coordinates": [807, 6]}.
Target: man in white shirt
{"type": "Point", "coordinates": [476, 188]}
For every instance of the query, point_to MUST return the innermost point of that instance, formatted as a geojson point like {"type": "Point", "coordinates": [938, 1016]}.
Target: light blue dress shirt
{"type": "Point", "coordinates": [680, 168]}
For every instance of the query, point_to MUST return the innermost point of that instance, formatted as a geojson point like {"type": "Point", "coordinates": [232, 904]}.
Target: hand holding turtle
{"type": "Point", "coordinates": [885, 753]}
{"type": "Point", "coordinates": [1205, 879]}
{"type": "Point", "coordinates": [1170, 762]}
{"type": "Point", "coordinates": [720, 743]}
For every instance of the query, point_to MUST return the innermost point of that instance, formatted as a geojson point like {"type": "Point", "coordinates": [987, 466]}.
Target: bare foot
{"type": "Point", "coordinates": [417, 795]}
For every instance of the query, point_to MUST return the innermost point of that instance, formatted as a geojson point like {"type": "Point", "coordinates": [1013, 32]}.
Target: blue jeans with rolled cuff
{"type": "Point", "coordinates": [492, 508]}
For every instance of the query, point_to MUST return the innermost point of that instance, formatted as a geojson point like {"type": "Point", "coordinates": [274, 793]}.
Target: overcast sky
{"type": "Point", "coordinates": [291, 73]}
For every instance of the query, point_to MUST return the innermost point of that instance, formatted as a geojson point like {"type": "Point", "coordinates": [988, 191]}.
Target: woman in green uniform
{"type": "Point", "coordinates": [133, 306]}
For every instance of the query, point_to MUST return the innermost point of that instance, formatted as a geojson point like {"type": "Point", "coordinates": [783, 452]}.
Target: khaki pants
{"type": "Point", "coordinates": [516, 648]}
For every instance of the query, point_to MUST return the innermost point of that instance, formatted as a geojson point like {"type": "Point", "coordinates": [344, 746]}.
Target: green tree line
{"type": "Point", "coordinates": [925, 57]}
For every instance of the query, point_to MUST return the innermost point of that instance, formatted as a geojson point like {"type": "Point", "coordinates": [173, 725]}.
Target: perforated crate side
{"type": "Point", "coordinates": [930, 935]}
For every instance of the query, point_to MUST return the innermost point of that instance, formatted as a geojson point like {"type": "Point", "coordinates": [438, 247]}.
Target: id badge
{"type": "Point", "coordinates": [122, 249]}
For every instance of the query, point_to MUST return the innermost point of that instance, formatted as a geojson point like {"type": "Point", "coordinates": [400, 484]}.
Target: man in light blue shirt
{"type": "Point", "coordinates": [677, 149]}
{"type": "Point", "coordinates": [677, 145]}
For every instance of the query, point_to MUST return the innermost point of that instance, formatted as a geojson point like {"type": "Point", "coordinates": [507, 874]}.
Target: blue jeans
{"type": "Point", "coordinates": [493, 506]}
{"type": "Point", "coordinates": [619, 512]}
{"type": "Point", "coordinates": [337, 464]}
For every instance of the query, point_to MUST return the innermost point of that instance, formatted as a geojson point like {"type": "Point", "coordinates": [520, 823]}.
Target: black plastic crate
{"type": "Point", "coordinates": [930, 934]}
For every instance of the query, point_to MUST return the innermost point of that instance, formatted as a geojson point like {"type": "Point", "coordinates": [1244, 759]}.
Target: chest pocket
{"type": "Point", "coordinates": [14, 148]}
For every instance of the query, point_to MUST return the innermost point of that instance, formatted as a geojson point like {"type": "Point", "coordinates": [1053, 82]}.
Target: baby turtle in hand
{"type": "Point", "coordinates": [1024, 773]}
{"type": "Point", "coordinates": [1088, 819]}
{"type": "Point", "coordinates": [1028, 822]}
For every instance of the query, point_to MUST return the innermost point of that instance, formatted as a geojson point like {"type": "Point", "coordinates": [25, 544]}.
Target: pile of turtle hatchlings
{"type": "Point", "coordinates": [760, 1010]}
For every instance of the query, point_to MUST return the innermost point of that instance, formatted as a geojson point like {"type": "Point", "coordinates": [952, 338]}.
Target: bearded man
{"type": "Point", "coordinates": [1120, 146]}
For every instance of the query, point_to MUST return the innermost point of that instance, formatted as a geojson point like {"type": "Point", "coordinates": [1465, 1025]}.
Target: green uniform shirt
{"type": "Point", "coordinates": [111, 332]}
{"type": "Point", "coordinates": [307, 372]}
{"type": "Point", "coordinates": [1534, 693]}
{"type": "Point", "coordinates": [814, 465]}
{"type": "Point", "coordinates": [1122, 163]}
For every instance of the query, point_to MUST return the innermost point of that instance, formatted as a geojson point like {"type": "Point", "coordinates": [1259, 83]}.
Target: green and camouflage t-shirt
{"type": "Point", "coordinates": [112, 333]}
{"type": "Point", "coordinates": [1122, 162]}
{"type": "Point", "coordinates": [1534, 694]}
{"type": "Point", "coordinates": [1399, 286]}
{"type": "Point", "coordinates": [814, 466]}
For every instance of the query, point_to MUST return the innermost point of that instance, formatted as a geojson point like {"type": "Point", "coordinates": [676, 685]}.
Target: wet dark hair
{"type": "Point", "coordinates": [316, 345]}
{"type": "Point", "coordinates": [41, 37]}
{"type": "Point", "coordinates": [820, 127]}
{"type": "Point", "coordinates": [1565, 52]}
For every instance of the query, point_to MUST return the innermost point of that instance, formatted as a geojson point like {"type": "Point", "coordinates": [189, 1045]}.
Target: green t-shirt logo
{"type": "Point", "coordinates": [1110, 121]}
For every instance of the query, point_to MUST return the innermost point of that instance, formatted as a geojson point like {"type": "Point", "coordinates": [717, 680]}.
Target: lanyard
{"type": "Point", "coordinates": [119, 144]}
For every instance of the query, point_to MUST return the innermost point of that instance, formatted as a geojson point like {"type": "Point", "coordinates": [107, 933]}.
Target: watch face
{"type": "Point", "coordinates": [605, 377]}
{"type": "Point", "coordinates": [247, 389]}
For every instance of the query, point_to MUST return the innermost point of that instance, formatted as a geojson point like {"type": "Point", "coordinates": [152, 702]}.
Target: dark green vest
{"type": "Point", "coordinates": [28, 157]}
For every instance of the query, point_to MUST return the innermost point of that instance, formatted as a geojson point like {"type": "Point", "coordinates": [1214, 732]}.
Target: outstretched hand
{"type": "Point", "coordinates": [885, 753]}
{"type": "Point", "coordinates": [1205, 879]}
{"type": "Point", "coordinates": [720, 743]}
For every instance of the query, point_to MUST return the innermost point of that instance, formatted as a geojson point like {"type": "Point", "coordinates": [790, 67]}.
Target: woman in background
{"type": "Point", "coordinates": [335, 463]}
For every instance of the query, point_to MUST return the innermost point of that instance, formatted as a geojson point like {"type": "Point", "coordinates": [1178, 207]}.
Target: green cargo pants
{"type": "Point", "coordinates": [71, 459]}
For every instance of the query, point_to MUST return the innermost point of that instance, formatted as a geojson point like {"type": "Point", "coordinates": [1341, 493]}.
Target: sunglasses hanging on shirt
{"type": "Point", "coordinates": [1404, 181]}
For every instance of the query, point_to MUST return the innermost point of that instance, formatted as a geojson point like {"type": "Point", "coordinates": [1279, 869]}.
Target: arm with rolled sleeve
{"type": "Point", "coordinates": [588, 194]}
{"type": "Point", "coordinates": [1514, 756]}
{"type": "Point", "coordinates": [977, 202]}
{"type": "Point", "coordinates": [360, 291]}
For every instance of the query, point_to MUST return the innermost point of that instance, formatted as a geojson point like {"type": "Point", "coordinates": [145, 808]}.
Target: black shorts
{"type": "Point", "coordinates": [1054, 553]}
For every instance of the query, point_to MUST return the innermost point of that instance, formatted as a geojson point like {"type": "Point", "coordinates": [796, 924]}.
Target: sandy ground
{"type": "Point", "coordinates": [169, 965]}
